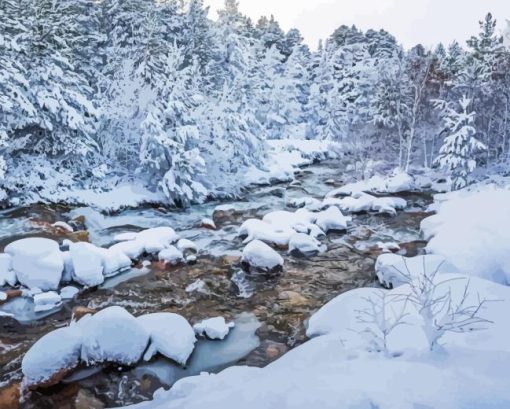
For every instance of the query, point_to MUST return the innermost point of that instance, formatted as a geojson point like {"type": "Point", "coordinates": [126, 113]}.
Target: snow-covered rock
{"type": "Point", "coordinates": [304, 245]}
{"type": "Point", "coordinates": [388, 205]}
{"type": "Point", "coordinates": [112, 335]}
{"type": "Point", "coordinates": [37, 262]}
{"type": "Point", "coordinates": [67, 274]}
{"type": "Point", "coordinates": [185, 244]}
{"type": "Point", "coordinates": [260, 256]}
{"type": "Point", "coordinates": [87, 264]}
{"type": "Point", "coordinates": [47, 301]}
{"type": "Point", "coordinates": [150, 241]}
{"type": "Point", "coordinates": [63, 226]}
{"type": "Point", "coordinates": [68, 293]}
{"type": "Point", "coordinates": [309, 203]}
{"type": "Point", "coordinates": [332, 219]}
{"type": "Point", "coordinates": [170, 335]}
{"type": "Point", "coordinates": [395, 270]}
{"type": "Point", "coordinates": [7, 274]}
{"type": "Point", "coordinates": [51, 358]}
{"type": "Point", "coordinates": [208, 223]}
{"type": "Point", "coordinates": [198, 286]}
{"type": "Point", "coordinates": [213, 328]}
{"type": "Point", "coordinates": [171, 255]}
{"type": "Point", "coordinates": [255, 229]}
{"type": "Point", "coordinates": [399, 182]}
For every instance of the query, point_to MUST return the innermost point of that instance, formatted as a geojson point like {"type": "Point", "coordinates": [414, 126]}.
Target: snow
{"type": "Point", "coordinates": [7, 274]}
{"type": "Point", "coordinates": [198, 286]}
{"type": "Point", "coordinates": [64, 226]}
{"type": "Point", "coordinates": [47, 301]}
{"type": "Point", "coordinates": [170, 335]}
{"type": "Point", "coordinates": [307, 202]}
{"type": "Point", "coordinates": [208, 223]}
{"type": "Point", "coordinates": [150, 241]}
{"type": "Point", "coordinates": [213, 328]}
{"type": "Point", "coordinates": [185, 244]}
{"type": "Point", "coordinates": [260, 256]}
{"type": "Point", "coordinates": [53, 354]}
{"type": "Point", "coordinates": [304, 245]}
{"type": "Point", "coordinates": [3, 296]}
{"type": "Point", "coordinates": [87, 264]}
{"type": "Point", "coordinates": [255, 229]}
{"type": "Point", "coordinates": [472, 231]}
{"type": "Point", "coordinates": [112, 335]}
{"type": "Point", "coordinates": [37, 262]}
{"type": "Point", "coordinates": [389, 205]}
{"type": "Point", "coordinates": [171, 255]}
{"type": "Point", "coordinates": [332, 219]}
{"type": "Point", "coordinates": [68, 293]}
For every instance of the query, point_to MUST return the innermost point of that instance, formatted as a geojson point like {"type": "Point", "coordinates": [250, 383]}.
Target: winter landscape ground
{"type": "Point", "coordinates": [210, 213]}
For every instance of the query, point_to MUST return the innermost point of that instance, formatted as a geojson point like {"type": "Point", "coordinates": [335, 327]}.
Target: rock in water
{"type": "Point", "coordinates": [112, 335]}
{"type": "Point", "coordinates": [51, 358]}
{"type": "Point", "coordinates": [213, 328]}
{"type": "Point", "coordinates": [37, 262]}
{"type": "Point", "coordinates": [170, 334]}
{"type": "Point", "coordinates": [259, 256]}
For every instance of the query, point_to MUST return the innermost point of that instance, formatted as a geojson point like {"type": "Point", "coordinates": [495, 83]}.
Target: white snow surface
{"type": "Point", "coordinates": [472, 231]}
{"type": "Point", "coordinates": [112, 335]}
{"type": "Point", "coordinates": [171, 255]}
{"type": "Point", "coordinates": [213, 328]}
{"type": "Point", "coordinates": [332, 219]}
{"type": "Point", "coordinates": [260, 256]}
{"type": "Point", "coordinates": [37, 262]}
{"type": "Point", "coordinates": [150, 241]}
{"type": "Point", "coordinates": [7, 274]}
{"type": "Point", "coordinates": [304, 244]}
{"type": "Point", "coordinates": [47, 301]}
{"type": "Point", "coordinates": [170, 335]}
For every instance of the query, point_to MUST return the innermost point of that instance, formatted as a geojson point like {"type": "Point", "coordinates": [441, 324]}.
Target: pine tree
{"type": "Point", "coordinates": [460, 146]}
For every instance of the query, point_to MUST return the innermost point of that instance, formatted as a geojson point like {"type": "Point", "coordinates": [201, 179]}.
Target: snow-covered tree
{"type": "Point", "coordinates": [460, 146]}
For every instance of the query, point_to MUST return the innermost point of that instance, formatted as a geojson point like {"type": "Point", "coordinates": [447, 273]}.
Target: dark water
{"type": "Point", "coordinates": [270, 312]}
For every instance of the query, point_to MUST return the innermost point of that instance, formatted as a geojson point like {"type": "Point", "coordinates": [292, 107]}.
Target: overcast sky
{"type": "Point", "coordinates": [411, 21]}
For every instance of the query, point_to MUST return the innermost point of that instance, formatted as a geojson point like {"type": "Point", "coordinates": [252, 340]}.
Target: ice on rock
{"type": "Point", "coordinates": [52, 357]}
{"type": "Point", "coordinates": [213, 328]}
{"type": "Point", "coordinates": [3, 296]}
{"type": "Point", "coordinates": [332, 219]}
{"type": "Point", "coordinates": [260, 256]}
{"type": "Point", "coordinates": [304, 244]}
{"type": "Point", "coordinates": [7, 274]}
{"type": "Point", "coordinates": [67, 275]}
{"type": "Point", "coordinates": [198, 286]}
{"type": "Point", "coordinates": [87, 264]}
{"type": "Point", "coordinates": [47, 301]}
{"type": "Point", "coordinates": [112, 335]}
{"type": "Point", "coordinates": [171, 335]}
{"type": "Point", "coordinates": [171, 255]}
{"type": "Point", "coordinates": [37, 262]}
{"type": "Point", "coordinates": [395, 270]}
{"type": "Point", "coordinates": [68, 293]}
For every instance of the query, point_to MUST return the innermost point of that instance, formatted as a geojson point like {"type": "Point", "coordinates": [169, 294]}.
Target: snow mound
{"type": "Point", "coordinates": [393, 270]}
{"type": "Point", "coordinates": [213, 328]}
{"type": "Point", "coordinates": [170, 335]}
{"type": "Point", "coordinates": [472, 231]}
{"type": "Point", "coordinates": [112, 335]}
{"type": "Point", "coordinates": [68, 293]}
{"type": "Point", "coordinates": [52, 357]}
{"type": "Point", "coordinates": [304, 245]}
{"type": "Point", "coordinates": [37, 262]}
{"type": "Point", "coordinates": [7, 274]}
{"type": "Point", "coordinates": [332, 219]}
{"type": "Point", "coordinates": [87, 264]}
{"type": "Point", "coordinates": [260, 256]}
{"type": "Point", "coordinates": [47, 301]}
{"type": "Point", "coordinates": [255, 229]}
{"type": "Point", "coordinates": [171, 255]}
{"type": "Point", "coordinates": [150, 241]}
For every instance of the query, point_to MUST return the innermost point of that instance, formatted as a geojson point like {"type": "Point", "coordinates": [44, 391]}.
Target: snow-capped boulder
{"type": "Point", "coordinates": [7, 274]}
{"type": "Point", "coordinates": [213, 328]}
{"type": "Point", "coordinates": [388, 205]}
{"type": "Point", "coordinates": [68, 293]}
{"type": "Point", "coordinates": [64, 226]}
{"type": "Point", "coordinates": [37, 262]}
{"type": "Point", "coordinates": [309, 203]}
{"type": "Point", "coordinates": [150, 241]}
{"type": "Point", "coordinates": [52, 357]}
{"type": "Point", "coordinates": [47, 301]}
{"type": "Point", "coordinates": [332, 219]}
{"type": "Point", "coordinates": [254, 229]}
{"type": "Point", "coordinates": [171, 255]}
{"type": "Point", "coordinates": [395, 270]}
{"type": "Point", "coordinates": [112, 335]}
{"type": "Point", "coordinates": [131, 248]}
{"type": "Point", "coordinates": [259, 256]}
{"type": "Point", "coordinates": [87, 264]}
{"type": "Point", "coordinates": [299, 220]}
{"type": "Point", "coordinates": [67, 274]}
{"type": "Point", "coordinates": [303, 244]}
{"type": "Point", "coordinates": [171, 335]}
{"type": "Point", "coordinates": [399, 182]}
{"type": "Point", "coordinates": [185, 245]}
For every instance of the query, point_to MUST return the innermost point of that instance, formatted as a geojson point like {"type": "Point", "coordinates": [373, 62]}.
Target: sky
{"type": "Point", "coordinates": [412, 21]}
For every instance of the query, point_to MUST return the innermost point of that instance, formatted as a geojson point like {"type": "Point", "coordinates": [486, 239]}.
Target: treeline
{"type": "Point", "coordinates": [95, 92]}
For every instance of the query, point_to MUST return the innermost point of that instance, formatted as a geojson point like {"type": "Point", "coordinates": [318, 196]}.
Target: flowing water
{"type": "Point", "coordinates": [270, 312]}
